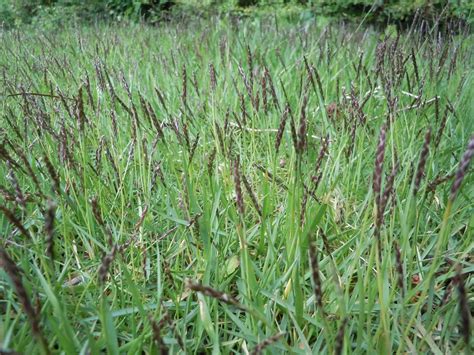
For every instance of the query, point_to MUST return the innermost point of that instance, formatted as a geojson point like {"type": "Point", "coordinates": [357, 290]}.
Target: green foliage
{"type": "Point", "coordinates": [132, 133]}
{"type": "Point", "coordinates": [130, 9]}
{"type": "Point", "coordinates": [245, 3]}
{"type": "Point", "coordinates": [14, 13]}
{"type": "Point", "coordinates": [396, 10]}
{"type": "Point", "coordinates": [51, 13]}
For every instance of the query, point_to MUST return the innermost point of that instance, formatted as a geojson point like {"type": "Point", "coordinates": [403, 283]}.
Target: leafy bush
{"type": "Point", "coordinates": [14, 13]}
{"type": "Point", "coordinates": [401, 11]}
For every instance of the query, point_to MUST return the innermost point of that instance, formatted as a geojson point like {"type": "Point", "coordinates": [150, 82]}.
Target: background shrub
{"type": "Point", "coordinates": [401, 11]}
{"type": "Point", "coordinates": [14, 13]}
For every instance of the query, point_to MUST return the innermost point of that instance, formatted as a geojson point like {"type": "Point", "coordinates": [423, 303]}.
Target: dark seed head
{"type": "Point", "coordinates": [318, 291]}
{"type": "Point", "coordinates": [49, 228]}
{"type": "Point", "coordinates": [264, 344]}
{"type": "Point", "coordinates": [238, 188]}
{"type": "Point", "coordinates": [156, 328]}
{"type": "Point", "coordinates": [379, 157]}
{"type": "Point", "coordinates": [462, 169]}
{"type": "Point", "coordinates": [213, 293]}
{"type": "Point", "coordinates": [421, 164]}
{"type": "Point", "coordinates": [15, 274]}
{"type": "Point", "coordinates": [463, 306]}
{"type": "Point", "coordinates": [252, 195]}
{"type": "Point", "coordinates": [340, 338]}
{"type": "Point", "coordinates": [212, 75]}
{"type": "Point", "coordinates": [281, 129]}
{"type": "Point", "coordinates": [106, 262]}
{"type": "Point", "coordinates": [399, 263]}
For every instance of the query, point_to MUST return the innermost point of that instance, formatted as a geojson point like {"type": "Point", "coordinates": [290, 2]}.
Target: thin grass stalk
{"type": "Point", "coordinates": [15, 221]}
{"type": "Point", "coordinates": [462, 169]}
{"type": "Point", "coordinates": [252, 195]}
{"type": "Point", "coordinates": [15, 274]}
{"type": "Point", "coordinates": [464, 310]}
{"type": "Point", "coordinates": [260, 347]}
{"type": "Point", "coordinates": [213, 293]}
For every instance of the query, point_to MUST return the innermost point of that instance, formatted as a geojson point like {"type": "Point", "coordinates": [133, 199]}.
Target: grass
{"type": "Point", "coordinates": [236, 185]}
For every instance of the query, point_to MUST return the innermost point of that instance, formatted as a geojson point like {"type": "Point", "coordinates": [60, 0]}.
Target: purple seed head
{"type": "Point", "coordinates": [421, 164]}
{"type": "Point", "coordinates": [238, 188]}
{"type": "Point", "coordinates": [462, 169]}
{"type": "Point", "coordinates": [379, 157]}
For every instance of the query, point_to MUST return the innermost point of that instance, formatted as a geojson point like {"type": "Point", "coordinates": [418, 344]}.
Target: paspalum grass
{"type": "Point", "coordinates": [303, 178]}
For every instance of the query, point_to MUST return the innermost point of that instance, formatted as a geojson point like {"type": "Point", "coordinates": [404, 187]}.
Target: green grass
{"type": "Point", "coordinates": [162, 207]}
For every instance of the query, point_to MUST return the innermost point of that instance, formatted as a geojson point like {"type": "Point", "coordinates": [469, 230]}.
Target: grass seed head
{"type": "Point", "coordinates": [19, 196]}
{"type": "Point", "coordinates": [238, 188]}
{"type": "Point", "coordinates": [212, 76]}
{"type": "Point", "coordinates": [272, 88]}
{"type": "Point", "coordinates": [15, 274]}
{"type": "Point", "coordinates": [96, 210]}
{"type": "Point", "coordinates": [193, 148]}
{"type": "Point", "coordinates": [156, 329]}
{"type": "Point", "coordinates": [442, 126]}
{"type": "Point", "coordinates": [250, 64]}
{"type": "Point", "coordinates": [210, 162]}
{"type": "Point", "coordinates": [421, 164]}
{"type": "Point", "coordinates": [317, 285]}
{"type": "Point", "coordinates": [447, 293]}
{"type": "Point", "coordinates": [322, 153]}
{"type": "Point", "coordinates": [213, 293]}
{"type": "Point", "coordinates": [438, 180]}
{"type": "Point", "coordinates": [388, 191]}
{"type": "Point", "coordinates": [259, 348]}
{"type": "Point", "coordinates": [339, 342]}
{"type": "Point", "coordinates": [399, 264]}
{"type": "Point", "coordinates": [304, 201]}
{"type": "Point", "coordinates": [184, 80]}
{"type": "Point", "coordinates": [281, 129]}
{"type": "Point", "coordinates": [252, 195]}
{"type": "Point", "coordinates": [15, 221]}
{"type": "Point", "coordinates": [318, 81]}
{"type": "Point", "coordinates": [263, 83]}
{"type": "Point", "coordinates": [379, 158]}
{"type": "Point", "coordinates": [462, 169]}
{"type": "Point", "coordinates": [31, 173]}
{"type": "Point", "coordinates": [294, 136]}
{"type": "Point", "coordinates": [463, 306]}
{"type": "Point", "coordinates": [106, 262]}
{"type": "Point", "coordinates": [49, 220]}
{"type": "Point", "coordinates": [302, 128]}
{"type": "Point", "coordinates": [53, 174]}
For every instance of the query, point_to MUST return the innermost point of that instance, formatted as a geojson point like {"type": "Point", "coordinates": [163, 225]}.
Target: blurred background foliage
{"type": "Point", "coordinates": [51, 13]}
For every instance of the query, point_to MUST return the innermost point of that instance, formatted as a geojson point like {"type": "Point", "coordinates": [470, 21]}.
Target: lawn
{"type": "Point", "coordinates": [237, 185]}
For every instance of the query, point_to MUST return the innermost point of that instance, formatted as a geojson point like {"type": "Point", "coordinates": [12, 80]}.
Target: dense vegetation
{"type": "Point", "coordinates": [234, 186]}
{"type": "Point", "coordinates": [14, 13]}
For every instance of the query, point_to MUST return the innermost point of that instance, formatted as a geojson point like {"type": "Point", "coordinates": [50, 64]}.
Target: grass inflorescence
{"type": "Point", "coordinates": [252, 186]}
